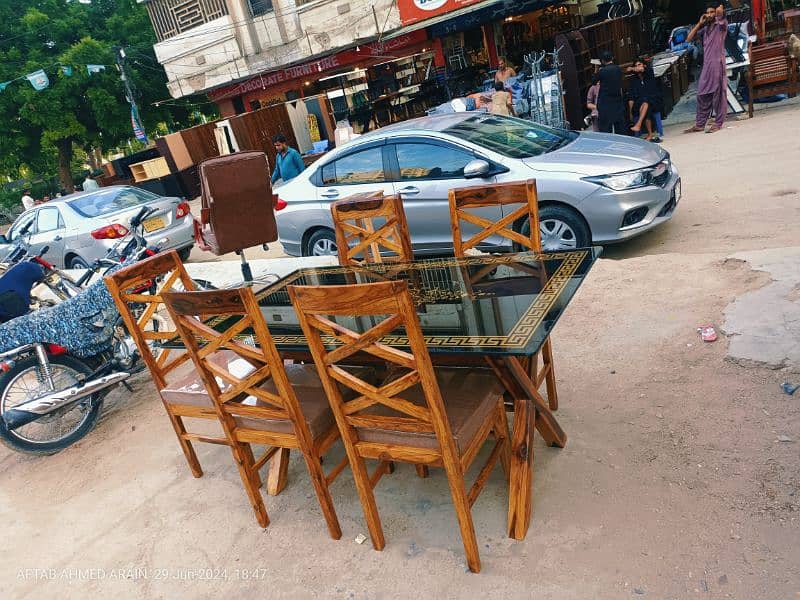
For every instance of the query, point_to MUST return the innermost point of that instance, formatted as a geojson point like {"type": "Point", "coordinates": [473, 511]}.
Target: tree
{"type": "Point", "coordinates": [39, 129]}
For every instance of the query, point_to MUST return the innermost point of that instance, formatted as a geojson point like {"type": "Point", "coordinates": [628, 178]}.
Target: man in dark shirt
{"type": "Point", "coordinates": [643, 98]}
{"type": "Point", "coordinates": [15, 289]}
{"type": "Point", "coordinates": [610, 108]}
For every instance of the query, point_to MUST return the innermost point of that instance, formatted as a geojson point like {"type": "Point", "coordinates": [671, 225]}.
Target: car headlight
{"type": "Point", "coordinates": [623, 181]}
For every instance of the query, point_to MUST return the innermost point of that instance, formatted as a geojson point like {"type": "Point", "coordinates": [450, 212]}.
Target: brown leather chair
{"type": "Point", "coordinates": [237, 208]}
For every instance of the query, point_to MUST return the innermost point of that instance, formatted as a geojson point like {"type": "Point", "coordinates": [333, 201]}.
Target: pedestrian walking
{"type": "Point", "coordinates": [610, 107]}
{"type": "Point", "coordinates": [27, 200]}
{"type": "Point", "coordinates": [288, 162]}
{"type": "Point", "coordinates": [712, 87]}
{"type": "Point", "coordinates": [502, 102]}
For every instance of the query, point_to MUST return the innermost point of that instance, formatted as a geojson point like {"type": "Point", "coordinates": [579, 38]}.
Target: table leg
{"type": "Point", "coordinates": [278, 474]}
{"type": "Point", "coordinates": [521, 480]}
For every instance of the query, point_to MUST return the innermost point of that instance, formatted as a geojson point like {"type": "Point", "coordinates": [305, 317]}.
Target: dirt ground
{"type": "Point", "coordinates": [672, 484]}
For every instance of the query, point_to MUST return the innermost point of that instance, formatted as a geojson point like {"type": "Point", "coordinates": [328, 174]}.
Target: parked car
{"type": "Point", "coordinates": [81, 227]}
{"type": "Point", "coordinates": [593, 188]}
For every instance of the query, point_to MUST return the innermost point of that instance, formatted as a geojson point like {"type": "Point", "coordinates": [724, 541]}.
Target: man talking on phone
{"type": "Point", "coordinates": [713, 83]}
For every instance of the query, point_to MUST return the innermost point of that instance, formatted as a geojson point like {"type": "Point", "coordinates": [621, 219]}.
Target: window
{"type": "Point", "coordinates": [511, 137]}
{"type": "Point", "coordinates": [429, 161]}
{"type": "Point", "coordinates": [48, 219]}
{"type": "Point", "coordinates": [15, 230]}
{"type": "Point", "coordinates": [365, 166]}
{"type": "Point", "coordinates": [171, 17]}
{"type": "Point", "coordinates": [109, 201]}
{"type": "Point", "coordinates": [259, 7]}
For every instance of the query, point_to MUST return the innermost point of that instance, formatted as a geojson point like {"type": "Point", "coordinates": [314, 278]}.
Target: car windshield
{"type": "Point", "coordinates": [105, 202]}
{"type": "Point", "coordinates": [515, 138]}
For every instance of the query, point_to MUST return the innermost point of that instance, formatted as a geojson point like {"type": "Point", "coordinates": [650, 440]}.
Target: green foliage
{"type": "Point", "coordinates": [86, 110]}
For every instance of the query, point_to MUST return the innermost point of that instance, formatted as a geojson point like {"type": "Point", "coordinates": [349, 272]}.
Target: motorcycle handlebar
{"type": "Point", "coordinates": [141, 216]}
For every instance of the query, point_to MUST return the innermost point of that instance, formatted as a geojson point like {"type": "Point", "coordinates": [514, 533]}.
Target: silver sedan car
{"type": "Point", "coordinates": [81, 227]}
{"type": "Point", "coordinates": [593, 188]}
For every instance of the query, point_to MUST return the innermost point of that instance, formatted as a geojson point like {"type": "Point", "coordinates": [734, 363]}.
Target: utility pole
{"type": "Point", "coordinates": [136, 122]}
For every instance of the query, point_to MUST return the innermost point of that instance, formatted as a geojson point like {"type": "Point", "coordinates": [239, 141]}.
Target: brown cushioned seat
{"type": "Point", "coordinates": [185, 387]}
{"type": "Point", "coordinates": [469, 397]}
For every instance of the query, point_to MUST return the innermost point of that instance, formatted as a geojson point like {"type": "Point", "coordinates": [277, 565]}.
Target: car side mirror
{"type": "Point", "coordinates": [3, 239]}
{"type": "Point", "coordinates": [477, 168]}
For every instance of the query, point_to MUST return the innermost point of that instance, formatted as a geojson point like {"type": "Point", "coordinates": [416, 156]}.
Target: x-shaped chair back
{"type": "Point", "coordinates": [243, 332]}
{"type": "Point", "coordinates": [140, 311]}
{"type": "Point", "coordinates": [314, 306]}
{"type": "Point", "coordinates": [463, 200]}
{"type": "Point", "coordinates": [368, 226]}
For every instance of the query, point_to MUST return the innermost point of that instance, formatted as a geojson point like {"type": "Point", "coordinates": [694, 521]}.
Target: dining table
{"type": "Point", "coordinates": [490, 311]}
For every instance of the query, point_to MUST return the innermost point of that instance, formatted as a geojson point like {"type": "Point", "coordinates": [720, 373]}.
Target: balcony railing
{"type": "Point", "coordinates": [171, 17]}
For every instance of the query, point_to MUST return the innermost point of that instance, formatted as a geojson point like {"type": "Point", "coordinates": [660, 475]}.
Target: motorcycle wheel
{"type": "Point", "coordinates": [58, 430]}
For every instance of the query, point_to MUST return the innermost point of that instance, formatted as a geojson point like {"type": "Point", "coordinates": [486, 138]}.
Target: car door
{"type": "Point", "coordinates": [14, 233]}
{"type": "Point", "coordinates": [48, 232]}
{"type": "Point", "coordinates": [424, 172]}
{"type": "Point", "coordinates": [361, 171]}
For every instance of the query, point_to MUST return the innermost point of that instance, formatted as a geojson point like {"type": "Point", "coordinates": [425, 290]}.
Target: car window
{"type": "Point", "coordinates": [104, 202]}
{"type": "Point", "coordinates": [430, 161]}
{"type": "Point", "coordinates": [48, 219]}
{"type": "Point", "coordinates": [24, 220]}
{"type": "Point", "coordinates": [365, 166]}
{"type": "Point", "coordinates": [511, 137]}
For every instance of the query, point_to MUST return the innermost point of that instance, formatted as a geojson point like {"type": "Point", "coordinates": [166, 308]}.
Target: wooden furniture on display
{"type": "Point", "coordinates": [177, 382]}
{"type": "Point", "coordinates": [438, 418]}
{"type": "Point", "coordinates": [462, 202]}
{"type": "Point", "coordinates": [494, 320]}
{"type": "Point", "coordinates": [369, 225]}
{"type": "Point", "coordinates": [256, 398]}
{"type": "Point", "coordinates": [149, 169]}
{"type": "Point", "coordinates": [772, 71]}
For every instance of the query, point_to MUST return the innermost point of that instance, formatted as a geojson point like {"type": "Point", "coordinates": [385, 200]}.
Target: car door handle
{"type": "Point", "coordinates": [330, 194]}
{"type": "Point", "coordinates": [410, 190]}
{"type": "Point", "coordinates": [58, 238]}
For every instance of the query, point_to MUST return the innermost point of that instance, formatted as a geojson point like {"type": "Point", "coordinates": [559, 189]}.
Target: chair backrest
{"type": "Point", "coordinates": [316, 304]}
{"type": "Point", "coordinates": [242, 331]}
{"type": "Point", "coordinates": [367, 224]}
{"type": "Point", "coordinates": [503, 194]}
{"type": "Point", "coordinates": [140, 311]}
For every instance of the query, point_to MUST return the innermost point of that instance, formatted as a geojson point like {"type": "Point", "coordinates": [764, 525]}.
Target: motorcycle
{"type": "Point", "coordinates": [59, 363]}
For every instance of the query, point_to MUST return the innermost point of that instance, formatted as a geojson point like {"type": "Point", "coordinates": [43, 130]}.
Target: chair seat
{"type": "Point", "coordinates": [469, 398]}
{"type": "Point", "coordinates": [311, 396]}
{"type": "Point", "coordinates": [185, 387]}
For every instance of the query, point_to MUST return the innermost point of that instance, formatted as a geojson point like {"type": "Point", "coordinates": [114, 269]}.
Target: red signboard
{"type": "Point", "coordinates": [323, 66]}
{"type": "Point", "coordinates": [412, 11]}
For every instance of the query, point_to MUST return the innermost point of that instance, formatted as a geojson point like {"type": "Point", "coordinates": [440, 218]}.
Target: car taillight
{"type": "Point", "coordinates": [110, 232]}
{"type": "Point", "coordinates": [278, 203]}
{"type": "Point", "coordinates": [182, 210]}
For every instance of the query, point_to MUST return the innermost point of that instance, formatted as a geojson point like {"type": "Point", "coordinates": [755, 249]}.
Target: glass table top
{"type": "Point", "coordinates": [487, 304]}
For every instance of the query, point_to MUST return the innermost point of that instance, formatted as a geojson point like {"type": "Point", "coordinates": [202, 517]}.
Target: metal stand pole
{"type": "Point", "coordinates": [247, 274]}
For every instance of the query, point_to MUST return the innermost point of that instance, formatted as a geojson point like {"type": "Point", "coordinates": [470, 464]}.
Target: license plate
{"type": "Point", "coordinates": [153, 224]}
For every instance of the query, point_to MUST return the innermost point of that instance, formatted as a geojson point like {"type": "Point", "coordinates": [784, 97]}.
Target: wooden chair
{"type": "Point", "coordinates": [358, 235]}
{"type": "Point", "coordinates": [257, 399]}
{"type": "Point", "coordinates": [176, 380]}
{"type": "Point", "coordinates": [772, 71]}
{"type": "Point", "coordinates": [420, 416]}
{"type": "Point", "coordinates": [504, 194]}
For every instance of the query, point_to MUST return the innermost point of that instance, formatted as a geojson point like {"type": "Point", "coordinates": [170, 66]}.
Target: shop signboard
{"type": "Point", "coordinates": [412, 11]}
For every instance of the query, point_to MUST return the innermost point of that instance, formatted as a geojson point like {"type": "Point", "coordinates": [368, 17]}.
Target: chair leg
{"type": "Point", "coordinates": [501, 430]}
{"type": "Point", "coordinates": [245, 466]}
{"type": "Point", "coordinates": [248, 450]}
{"type": "Point", "coordinates": [186, 445]}
{"type": "Point", "coordinates": [323, 495]}
{"type": "Point", "coordinates": [368, 505]}
{"type": "Point", "coordinates": [278, 474]}
{"type": "Point", "coordinates": [422, 471]}
{"type": "Point", "coordinates": [550, 379]}
{"type": "Point", "coordinates": [455, 477]}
